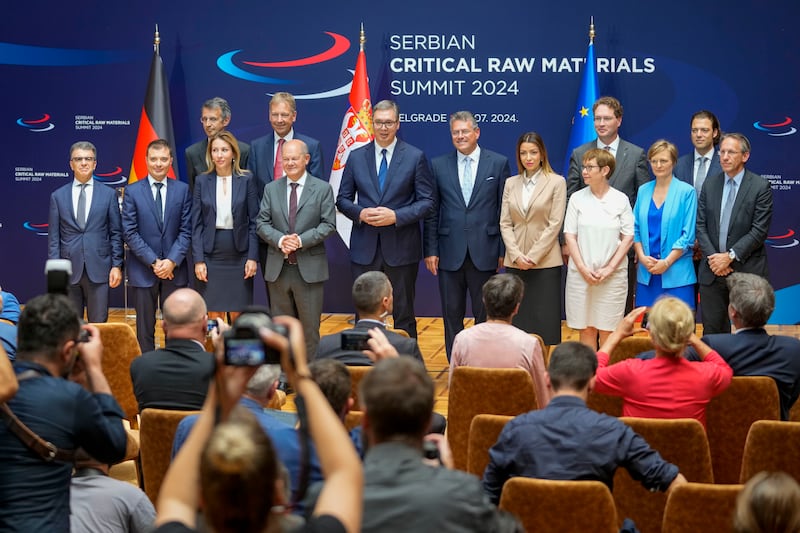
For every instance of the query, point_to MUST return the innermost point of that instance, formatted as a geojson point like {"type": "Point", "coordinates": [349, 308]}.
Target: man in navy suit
{"type": "Point", "coordinates": [394, 188]}
{"type": "Point", "coordinates": [463, 246]}
{"type": "Point", "coordinates": [703, 161]}
{"type": "Point", "coordinates": [84, 227]}
{"type": "Point", "coordinates": [630, 171]}
{"type": "Point", "coordinates": [734, 212]}
{"type": "Point", "coordinates": [157, 227]}
{"type": "Point", "coordinates": [215, 115]}
{"type": "Point", "coordinates": [265, 160]}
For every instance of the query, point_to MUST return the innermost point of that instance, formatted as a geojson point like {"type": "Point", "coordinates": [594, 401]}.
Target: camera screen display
{"type": "Point", "coordinates": [355, 340]}
{"type": "Point", "coordinates": [244, 352]}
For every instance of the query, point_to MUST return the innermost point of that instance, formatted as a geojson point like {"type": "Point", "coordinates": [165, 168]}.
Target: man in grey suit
{"type": "Point", "coordinates": [733, 217]}
{"type": "Point", "coordinates": [215, 115]}
{"type": "Point", "coordinates": [85, 227]}
{"type": "Point", "coordinates": [630, 171]}
{"type": "Point", "coordinates": [294, 223]}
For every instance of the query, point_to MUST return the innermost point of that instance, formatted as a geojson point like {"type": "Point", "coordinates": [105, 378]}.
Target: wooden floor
{"type": "Point", "coordinates": [431, 343]}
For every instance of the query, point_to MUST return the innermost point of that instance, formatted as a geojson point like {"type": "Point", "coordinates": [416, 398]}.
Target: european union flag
{"type": "Point", "coordinates": [583, 120]}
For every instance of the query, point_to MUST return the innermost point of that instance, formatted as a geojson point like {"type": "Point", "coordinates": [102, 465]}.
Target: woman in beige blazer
{"type": "Point", "coordinates": [532, 212]}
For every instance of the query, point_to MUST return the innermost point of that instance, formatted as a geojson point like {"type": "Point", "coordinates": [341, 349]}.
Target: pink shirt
{"type": "Point", "coordinates": [496, 345]}
{"type": "Point", "coordinates": [664, 387]}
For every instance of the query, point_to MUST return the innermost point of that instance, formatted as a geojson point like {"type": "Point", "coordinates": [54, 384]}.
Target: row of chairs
{"type": "Point", "coordinates": [770, 445]}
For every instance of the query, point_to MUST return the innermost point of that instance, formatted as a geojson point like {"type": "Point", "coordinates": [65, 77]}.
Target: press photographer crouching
{"type": "Point", "coordinates": [55, 355]}
{"type": "Point", "coordinates": [230, 464]}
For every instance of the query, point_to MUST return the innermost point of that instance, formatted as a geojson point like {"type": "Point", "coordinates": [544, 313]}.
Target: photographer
{"type": "Point", "coordinates": [34, 492]}
{"type": "Point", "coordinates": [233, 464]}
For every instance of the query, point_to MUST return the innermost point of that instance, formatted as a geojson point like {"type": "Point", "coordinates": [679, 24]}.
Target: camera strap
{"type": "Point", "coordinates": [45, 449]}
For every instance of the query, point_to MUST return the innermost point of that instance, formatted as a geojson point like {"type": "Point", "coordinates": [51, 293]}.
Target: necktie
{"type": "Point", "coordinates": [700, 177]}
{"type": "Point", "coordinates": [81, 216]}
{"type": "Point", "coordinates": [292, 218]}
{"type": "Point", "coordinates": [466, 182]}
{"type": "Point", "coordinates": [277, 171]}
{"type": "Point", "coordinates": [159, 203]}
{"type": "Point", "coordinates": [382, 170]}
{"type": "Point", "coordinates": [725, 219]}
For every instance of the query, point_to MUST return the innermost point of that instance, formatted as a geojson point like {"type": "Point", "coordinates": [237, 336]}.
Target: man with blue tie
{"type": "Point", "coordinates": [463, 246]}
{"type": "Point", "coordinates": [157, 227]}
{"type": "Point", "coordinates": [734, 212]}
{"type": "Point", "coordinates": [84, 227]}
{"type": "Point", "coordinates": [394, 188]}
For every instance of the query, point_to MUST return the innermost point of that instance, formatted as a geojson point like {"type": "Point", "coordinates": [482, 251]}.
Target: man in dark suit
{"type": "Point", "coordinates": [462, 240]}
{"type": "Point", "coordinates": [733, 216]}
{"type": "Point", "coordinates": [373, 300]}
{"type": "Point", "coordinates": [394, 188]}
{"type": "Point", "coordinates": [85, 227]}
{"type": "Point", "coordinates": [266, 160]}
{"type": "Point", "coordinates": [703, 161]}
{"type": "Point", "coordinates": [176, 376]}
{"type": "Point", "coordinates": [215, 117]}
{"type": "Point", "coordinates": [750, 351]}
{"type": "Point", "coordinates": [630, 171]}
{"type": "Point", "coordinates": [157, 227]}
{"type": "Point", "coordinates": [294, 224]}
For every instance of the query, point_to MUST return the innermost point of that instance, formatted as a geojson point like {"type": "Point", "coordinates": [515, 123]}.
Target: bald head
{"type": "Point", "coordinates": [185, 315]}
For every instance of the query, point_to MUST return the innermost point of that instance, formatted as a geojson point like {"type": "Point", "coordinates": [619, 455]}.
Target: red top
{"type": "Point", "coordinates": [664, 387]}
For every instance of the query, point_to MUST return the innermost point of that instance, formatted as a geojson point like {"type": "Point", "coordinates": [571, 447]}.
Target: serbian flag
{"type": "Point", "coordinates": [156, 120]}
{"type": "Point", "coordinates": [356, 131]}
{"type": "Point", "coordinates": [583, 119]}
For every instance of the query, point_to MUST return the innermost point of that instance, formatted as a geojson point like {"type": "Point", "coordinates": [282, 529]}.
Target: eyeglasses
{"type": "Point", "coordinates": [602, 120]}
{"type": "Point", "coordinates": [459, 133]}
{"type": "Point", "coordinates": [589, 167]}
{"type": "Point", "coordinates": [209, 120]}
{"type": "Point", "coordinates": [384, 124]}
{"type": "Point", "coordinates": [729, 152]}
{"type": "Point", "coordinates": [81, 159]}
{"type": "Point", "coordinates": [660, 162]}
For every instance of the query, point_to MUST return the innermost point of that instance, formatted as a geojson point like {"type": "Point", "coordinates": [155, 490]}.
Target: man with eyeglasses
{"type": "Point", "coordinates": [629, 173]}
{"type": "Point", "coordinates": [215, 115]}
{"type": "Point", "coordinates": [734, 212]}
{"type": "Point", "coordinates": [463, 246]}
{"type": "Point", "coordinates": [85, 227]}
{"type": "Point", "coordinates": [394, 187]}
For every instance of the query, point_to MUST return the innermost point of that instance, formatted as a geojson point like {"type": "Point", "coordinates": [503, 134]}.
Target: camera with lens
{"type": "Point", "coordinates": [58, 272]}
{"type": "Point", "coordinates": [243, 344]}
{"type": "Point", "coordinates": [354, 340]}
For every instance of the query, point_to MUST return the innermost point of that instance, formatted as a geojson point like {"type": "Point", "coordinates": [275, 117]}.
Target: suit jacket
{"type": "Point", "coordinates": [316, 221]}
{"type": "Point", "coordinates": [408, 191]}
{"type": "Point", "coordinates": [244, 205]}
{"type": "Point", "coordinates": [98, 247]}
{"type": "Point", "coordinates": [196, 163]}
{"type": "Point", "coordinates": [630, 169]}
{"type": "Point", "coordinates": [330, 346]}
{"type": "Point", "coordinates": [533, 232]}
{"type": "Point", "coordinates": [684, 169]}
{"type": "Point", "coordinates": [753, 352]}
{"type": "Point", "coordinates": [173, 377]}
{"type": "Point", "coordinates": [148, 240]}
{"type": "Point", "coordinates": [749, 223]}
{"type": "Point", "coordinates": [262, 159]}
{"type": "Point", "coordinates": [678, 219]}
{"type": "Point", "coordinates": [454, 228]}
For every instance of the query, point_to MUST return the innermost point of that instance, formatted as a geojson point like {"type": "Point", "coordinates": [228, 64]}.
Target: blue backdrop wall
{"type": "Point", "coordinates": [74, 71]}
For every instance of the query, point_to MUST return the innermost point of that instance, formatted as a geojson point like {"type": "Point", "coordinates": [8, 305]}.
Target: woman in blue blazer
{"type": "Point", "coordinates": [224, 241]}
{"type": "Point", "coordinates": [664, 217]}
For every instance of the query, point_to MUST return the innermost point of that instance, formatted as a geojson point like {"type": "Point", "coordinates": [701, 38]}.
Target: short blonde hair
{"type": "Point", "coordinates": [663, 145]}
{"type": "Point", "coordinates": [671, 323]}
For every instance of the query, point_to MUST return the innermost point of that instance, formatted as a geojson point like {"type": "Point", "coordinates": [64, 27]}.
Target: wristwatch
{"type": "Point", "coordinates": [732, 255]}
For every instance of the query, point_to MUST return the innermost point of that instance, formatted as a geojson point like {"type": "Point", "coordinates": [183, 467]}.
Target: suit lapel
{"type": "Point", "coordinates": [282, 201]}
{"type": "Point", "coordinates": [541, 184]}
{"type": "Point", "coordinates": [454, 182]}
{"type": "Point", "coordinates": [308, 192]}
{"type": "Point", "coordinates": [148, 191]}
{"type": "Point", "coordinates": [271, 157]}
{"type": "Point", "coordinates": [619, 164]}
{"type": "Point", "coordinates": [371, 167]}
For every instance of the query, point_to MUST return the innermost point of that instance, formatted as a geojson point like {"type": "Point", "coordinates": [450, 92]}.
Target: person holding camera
{"type": "Point", "coordinates": [230, 463]}
{"type": "Point", "coordinates": [56, 354]}
{"type": "Point", "coordinates": [177, 375]}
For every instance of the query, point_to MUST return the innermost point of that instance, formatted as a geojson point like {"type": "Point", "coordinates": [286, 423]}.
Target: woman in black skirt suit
{"type": "Point", "coordinates": [224, 240]}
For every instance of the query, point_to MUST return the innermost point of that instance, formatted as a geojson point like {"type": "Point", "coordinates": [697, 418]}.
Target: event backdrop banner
{"type": "Point", "coordinates": [79, 72]}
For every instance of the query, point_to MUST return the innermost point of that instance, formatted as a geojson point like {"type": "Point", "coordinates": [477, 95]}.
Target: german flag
{"type": "Point", "coordinates": [156, 120]}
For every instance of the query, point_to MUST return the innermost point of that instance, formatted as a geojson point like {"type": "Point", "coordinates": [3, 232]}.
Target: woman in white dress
{"type": "Point", "coordinates": [598, 229]}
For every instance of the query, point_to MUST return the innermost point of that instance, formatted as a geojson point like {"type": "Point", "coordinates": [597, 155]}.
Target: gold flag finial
{"type": "Point", "coordinates": [591, 30]}
{"type": "Point", "coordinates": [362, 38]}
{"type": "Point", "coordinates": [156, 40]}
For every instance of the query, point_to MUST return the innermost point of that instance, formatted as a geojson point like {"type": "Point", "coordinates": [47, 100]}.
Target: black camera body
{"type": "Point", "coordinates": [354, 340]}
{"type": "Point", "coordinates": [58, 272]}
{"type": "Point", "coordinates": [243, 344]}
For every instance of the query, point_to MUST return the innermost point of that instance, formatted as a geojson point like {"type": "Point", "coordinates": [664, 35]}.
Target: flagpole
{"type": "Point", "coordinates": [582, 130]}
